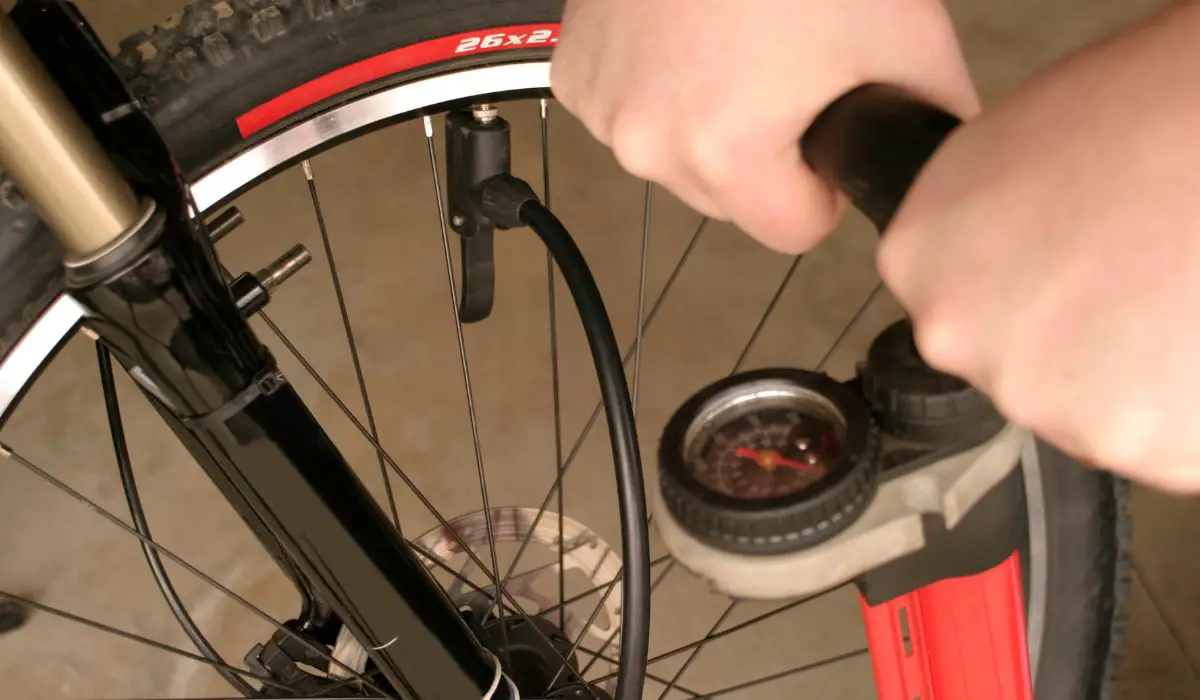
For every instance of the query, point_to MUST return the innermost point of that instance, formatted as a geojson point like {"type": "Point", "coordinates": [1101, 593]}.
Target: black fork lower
{"type": "Point", "coordinates": [160, 302]}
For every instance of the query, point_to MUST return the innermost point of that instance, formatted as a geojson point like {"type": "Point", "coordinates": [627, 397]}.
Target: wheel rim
{"type": "Point", "coordinates": [303, 140]}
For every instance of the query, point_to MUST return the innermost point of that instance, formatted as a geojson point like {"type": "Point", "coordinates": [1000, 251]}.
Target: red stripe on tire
{"type": "Point", "coordinates": [393, 62]}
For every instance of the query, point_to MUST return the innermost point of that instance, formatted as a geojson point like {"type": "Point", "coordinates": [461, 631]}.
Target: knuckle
{"type": "Point", "coordinates": [715, 156]}
{"type": "Point", "coordinates": [940, 337]}
{"type": "Point", "coordinates": [801, 213]}
{"type": "Point", "coordinates": [779, 230]}
{"type": "Point", "coordinates": [638, 148]}
{"type": "Point", "coordinates": [1013, 399]}
{"type": "Point", "coordinates": [703, 204]}
{"type": "Point", "coordinates": [1124, 435]}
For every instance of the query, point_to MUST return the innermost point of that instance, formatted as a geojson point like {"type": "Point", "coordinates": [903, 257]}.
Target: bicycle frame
{"type": "Point", "coordinates": [156, 295]}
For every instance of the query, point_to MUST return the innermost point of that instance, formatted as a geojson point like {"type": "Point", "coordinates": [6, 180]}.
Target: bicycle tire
{"type": "Point", "coordinates": [201, 70]}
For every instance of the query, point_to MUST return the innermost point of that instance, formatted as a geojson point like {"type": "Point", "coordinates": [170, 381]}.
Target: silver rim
{"type": "Point", "coordinates": [62, 318]}
{"type": "Point", "coordinates": [304, 138]}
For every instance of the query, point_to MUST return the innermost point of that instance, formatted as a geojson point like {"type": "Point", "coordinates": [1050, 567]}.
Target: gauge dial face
{"type": "Point", "coordinates": [768, 462]}
{"type": "Point", "coordinates": [765, 452]}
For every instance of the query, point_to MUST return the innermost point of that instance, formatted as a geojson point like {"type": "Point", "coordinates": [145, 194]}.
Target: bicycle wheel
{"type": "Point", "coordinates": [245, 90]}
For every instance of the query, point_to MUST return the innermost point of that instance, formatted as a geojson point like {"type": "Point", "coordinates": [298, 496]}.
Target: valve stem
{"type": "Point", "coordinates": [485, 113]}
{"type": "Point", "coordinates": [284, 267]}
{"type": "Point", "coordinates": [252, 292]}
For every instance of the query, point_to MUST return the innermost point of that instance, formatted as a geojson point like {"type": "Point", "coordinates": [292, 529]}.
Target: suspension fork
{"type": "Point", "coordinates": [155, 294]}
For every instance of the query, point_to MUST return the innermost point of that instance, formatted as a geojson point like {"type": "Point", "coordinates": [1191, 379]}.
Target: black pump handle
{"type": "Point", "coordinates": [872, 142]}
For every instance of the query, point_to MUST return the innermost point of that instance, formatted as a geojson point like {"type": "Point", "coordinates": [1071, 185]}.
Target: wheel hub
{"type": "Point", "coordinates": [531, 653]}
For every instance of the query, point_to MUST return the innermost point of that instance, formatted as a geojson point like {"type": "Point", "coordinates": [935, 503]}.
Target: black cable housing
{"type": "Point", "coordinates": [138, 515]}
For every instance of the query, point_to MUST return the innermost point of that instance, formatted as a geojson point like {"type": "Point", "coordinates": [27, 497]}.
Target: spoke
{"type": "Point", "coordinates": [7, 451]}
{"type": "Point", "coordinates": [664, 559]}
{"type": "Point", "coordinates": [599, 656]}
{"type": "Point", "coordinates": [358, 425]}
{"type": "Point", "coordinates": [390, 462]}
{"type": "Point", "coordinates": [858, 314]}
{"type": "Point", "coordinates": [641, 307]}
{"type": "Point", "coordinates": [362, 429]}
{"type": "Point", "coordinates": [545, 112]}
{"type": "Point", "coordinates": [554, 376]}
{"type": "Point", "coordinates": [725, 632]}
{"type": "Point", "coordinates": [466, 373]}
{"type": "Point", "coordinates": [138, 516]}
{"type": "Point", "coordinates": [447, 528]}
{"type": "Point", "coordinates": [591, 422]}
{"type": "Point", "coordinates": [456, 574]}
{"type": "Point", "coordinates": [612, 586]}
{"type": "Point", "coordinates": [358, 370]}
{"type": "Point", "coordinates": [696, 652]}
{"type": "Point", "coordinates": [491, 575]}
{"type": "Point", "coordinates": [608, 642]}
{"type": "Point", "coordinates": [762, 322]}
{"type": "Point", "coordinates": [146, 641]}
{"type": "Point", "coordinates": [790, 672]}
{"type": "Point", "coordinates": [387, 458]}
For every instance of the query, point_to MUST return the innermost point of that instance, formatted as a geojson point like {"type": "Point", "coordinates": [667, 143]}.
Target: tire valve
{"type": "Point", "coordinates": [252, 292]}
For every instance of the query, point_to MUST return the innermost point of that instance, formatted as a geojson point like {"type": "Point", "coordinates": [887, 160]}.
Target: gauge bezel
{"type": "Point", "coordinates": [849, 410]}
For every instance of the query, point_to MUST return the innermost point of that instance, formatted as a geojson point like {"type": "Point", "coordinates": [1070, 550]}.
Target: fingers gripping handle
{"type": "Point", "coordinates": [872, 142]}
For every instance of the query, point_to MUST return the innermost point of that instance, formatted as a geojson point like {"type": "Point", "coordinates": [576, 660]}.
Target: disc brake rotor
{"type": "Point", "coordinates": [582, 550]}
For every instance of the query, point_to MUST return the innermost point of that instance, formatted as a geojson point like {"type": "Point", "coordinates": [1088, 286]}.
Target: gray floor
{"type": "Point", "coordinates": [378, 200]}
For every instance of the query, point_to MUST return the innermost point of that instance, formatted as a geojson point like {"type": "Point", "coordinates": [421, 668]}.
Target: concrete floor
{"type": "Point", "coordinates": [378, 200]}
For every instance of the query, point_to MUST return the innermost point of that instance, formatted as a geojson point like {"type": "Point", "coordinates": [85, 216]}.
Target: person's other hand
{"type": "Point", "coordinates": [710, 97]}
{"type": "Point", "coordinates": [1050, 253]}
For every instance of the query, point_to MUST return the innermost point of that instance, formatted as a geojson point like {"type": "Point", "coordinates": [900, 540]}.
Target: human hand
{"type": "Point", "coordinates": [710, 97]}
{"type": "Point", "coordinates": [1050, 254]}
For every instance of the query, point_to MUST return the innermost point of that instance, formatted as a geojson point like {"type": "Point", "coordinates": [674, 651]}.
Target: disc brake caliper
{"type": "Point", "coordinates": [281, 658]}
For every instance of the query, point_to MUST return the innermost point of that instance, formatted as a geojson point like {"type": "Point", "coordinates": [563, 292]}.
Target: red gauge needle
{"type": "Point", "coordinates": [769, 459]}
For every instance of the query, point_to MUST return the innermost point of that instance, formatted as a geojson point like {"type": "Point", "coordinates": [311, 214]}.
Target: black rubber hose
{"type": "Point", "coordinates": [631, 494]}
{"type": "Point", "coordinates": [138, 514]}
